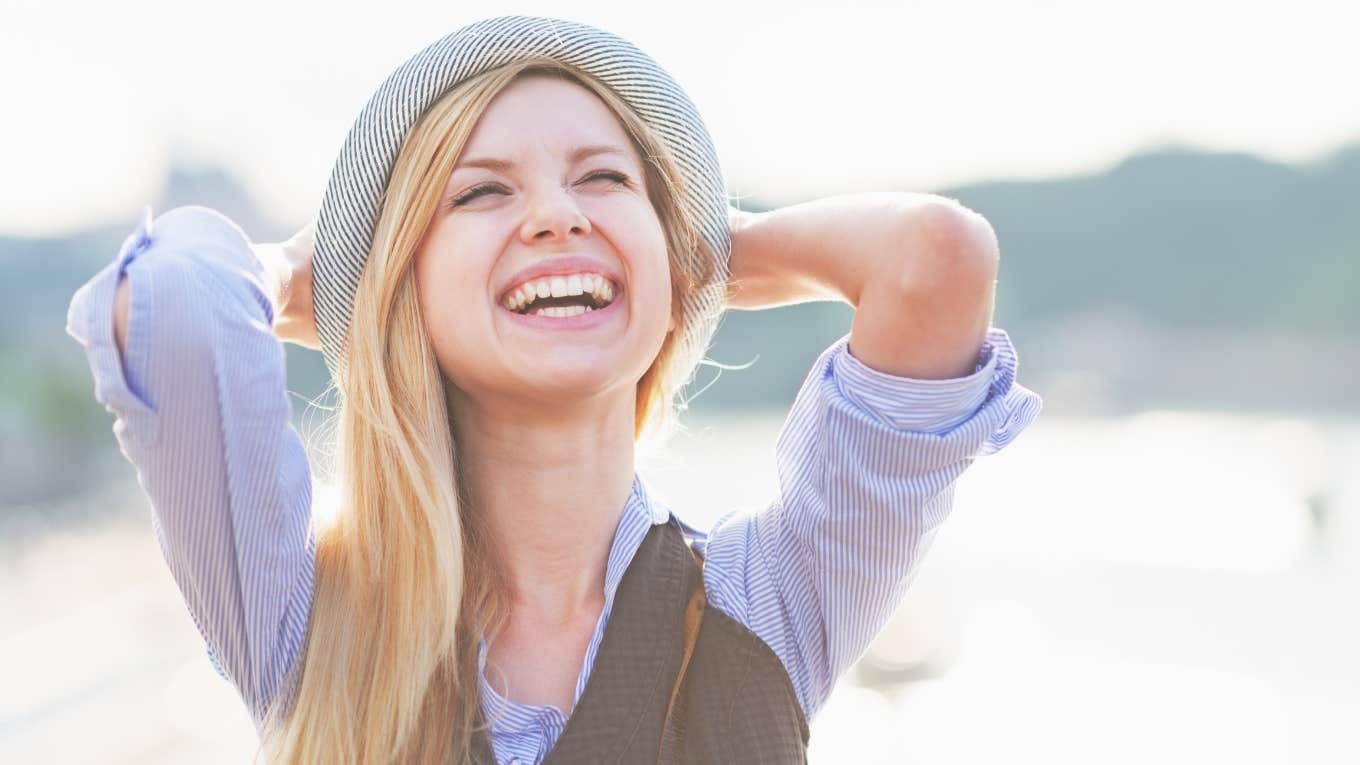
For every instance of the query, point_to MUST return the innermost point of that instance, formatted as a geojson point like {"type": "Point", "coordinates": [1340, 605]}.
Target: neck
{"type": "Point", "coordinates": [551, 486]}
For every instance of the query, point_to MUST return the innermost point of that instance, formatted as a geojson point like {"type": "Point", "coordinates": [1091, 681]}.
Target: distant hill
{"type": "Point", "coordinates": [1182, 239]}
{"type": "Point", "coordinates": [1177, 278]}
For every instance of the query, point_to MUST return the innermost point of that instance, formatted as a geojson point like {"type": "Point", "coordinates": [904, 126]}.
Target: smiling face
{"type": "Point", "coordinates": [549, 191]}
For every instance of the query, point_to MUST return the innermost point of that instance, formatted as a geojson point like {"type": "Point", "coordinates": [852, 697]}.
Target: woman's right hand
{"type": "Point", "coordinates": [288, 272]}
{"type": "Point", "coordinates": [288, 278]}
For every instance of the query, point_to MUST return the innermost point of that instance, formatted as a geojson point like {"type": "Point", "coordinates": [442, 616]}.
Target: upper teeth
{"type": "Point", "coordinates": [598, 286]}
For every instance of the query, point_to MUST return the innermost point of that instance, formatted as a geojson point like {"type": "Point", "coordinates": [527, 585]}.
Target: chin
{"type": "Point", "coordinates": [590, 372]}
{"type": "Point", "coordinates": [582, 379]}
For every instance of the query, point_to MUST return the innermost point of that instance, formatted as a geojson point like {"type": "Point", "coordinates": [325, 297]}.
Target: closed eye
{"type": "Point", "coordinates": [611, 175]}
{"type": "Point", "coordinates": [486, 188]}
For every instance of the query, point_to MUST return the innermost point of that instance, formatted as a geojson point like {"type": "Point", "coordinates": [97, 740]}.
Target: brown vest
{"type": "Point", "coordinates": [734, 702]}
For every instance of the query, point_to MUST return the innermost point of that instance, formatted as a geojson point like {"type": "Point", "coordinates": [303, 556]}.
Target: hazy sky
{"type": "Point", "coordinates": [801, 100]}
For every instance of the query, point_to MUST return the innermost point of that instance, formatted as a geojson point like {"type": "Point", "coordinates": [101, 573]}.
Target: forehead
{"type": "Point", "coordinates": [542, 113]}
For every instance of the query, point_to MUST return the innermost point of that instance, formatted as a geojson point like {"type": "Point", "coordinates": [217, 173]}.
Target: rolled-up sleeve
{"type": "Point", "coordinates": [867, 466]}
{"type": "Point", "coordinates": [202, 413]}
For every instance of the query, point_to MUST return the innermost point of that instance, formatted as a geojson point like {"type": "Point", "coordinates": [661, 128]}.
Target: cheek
{"type": "Point", "coordinates": [428, 279]}
{"type": "Point", "coordinates": [655, 292]}
{"type": "Point", "coordinates": [446, 300]}
{"type": "Point", "coordinates": [664, 298]}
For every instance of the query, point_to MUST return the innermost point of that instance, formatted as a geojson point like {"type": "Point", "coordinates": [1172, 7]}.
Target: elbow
{"type": "Point", "coordinates": [946, 247]}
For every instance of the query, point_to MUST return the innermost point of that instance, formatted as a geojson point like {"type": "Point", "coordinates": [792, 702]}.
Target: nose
{"type": "Point", "coordinates": [554, 215]}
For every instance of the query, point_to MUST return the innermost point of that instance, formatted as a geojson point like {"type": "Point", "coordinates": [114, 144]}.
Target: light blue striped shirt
{"type": "Point", "coordinates": [867, 464]}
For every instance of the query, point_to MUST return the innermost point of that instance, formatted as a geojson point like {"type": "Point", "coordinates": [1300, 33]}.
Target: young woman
{"type": "Point", "coordinates": [496, 583]}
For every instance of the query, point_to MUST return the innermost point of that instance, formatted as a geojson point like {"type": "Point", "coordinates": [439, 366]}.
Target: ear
{"type": "Point", "coordinates": [671, 327]}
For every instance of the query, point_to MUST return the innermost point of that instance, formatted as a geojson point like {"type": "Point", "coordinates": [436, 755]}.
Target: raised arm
{"type": "Point", "coordinates": [177, 331]}
{"type": "Point", "coordinates": [869, 455]}
{"type": "Point", "coordinates": [919, 269]}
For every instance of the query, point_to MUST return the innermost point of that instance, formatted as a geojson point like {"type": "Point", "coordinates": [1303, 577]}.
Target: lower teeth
{"type": "Point", "coordinates": [561, 312]}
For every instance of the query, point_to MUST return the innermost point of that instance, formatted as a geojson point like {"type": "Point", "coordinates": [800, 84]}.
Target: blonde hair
{"type": "Point", "coordinates": [407, 581]}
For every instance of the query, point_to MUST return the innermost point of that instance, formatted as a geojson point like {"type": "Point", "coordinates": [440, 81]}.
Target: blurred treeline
{"type": "Point", "coordinates": [1178, 278]}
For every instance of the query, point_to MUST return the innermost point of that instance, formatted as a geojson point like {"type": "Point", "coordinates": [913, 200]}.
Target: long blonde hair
{"type": "Point", "coordinates": [407, 581]}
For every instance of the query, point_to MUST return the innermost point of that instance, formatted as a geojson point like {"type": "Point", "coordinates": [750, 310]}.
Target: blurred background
{"type": "Point", "coordinates": [1162, 567]}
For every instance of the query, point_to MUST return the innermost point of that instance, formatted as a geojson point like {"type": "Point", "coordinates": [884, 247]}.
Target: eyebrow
{"type": "Point", "coordinates": [504, 165]}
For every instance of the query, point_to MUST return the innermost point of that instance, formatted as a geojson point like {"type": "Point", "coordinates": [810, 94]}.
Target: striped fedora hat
{"type": "Point", "coordinates": [352, 201]}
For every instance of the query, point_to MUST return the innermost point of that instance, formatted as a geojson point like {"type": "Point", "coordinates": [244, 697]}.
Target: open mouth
{"type": "Point", "coordinates": [561, 297]}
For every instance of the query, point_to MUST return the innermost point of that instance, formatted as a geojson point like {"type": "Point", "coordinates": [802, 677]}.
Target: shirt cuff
{"type": "Point", "coordinates": [930, 406]}
{"type": "Point", "coordinates": [89, 320]}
